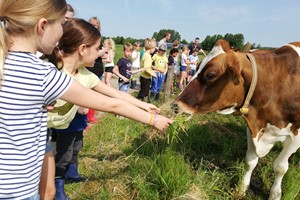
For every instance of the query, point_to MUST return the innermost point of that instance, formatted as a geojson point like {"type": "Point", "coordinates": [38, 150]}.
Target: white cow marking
{"type": "Point", "coordinates": [217, 50]}
{"type": "Point", "coordinates": [261, 145]}
{"type": "Point", "coordinates": [297, 49]}
{"type": "Point", "coordinates": [271, 135]}
{"type": "Point", "coordinates": [227, 111]}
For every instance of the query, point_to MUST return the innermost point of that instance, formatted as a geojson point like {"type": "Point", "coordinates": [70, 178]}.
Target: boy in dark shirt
{"type": "Point", "coordinates": [123, 69]}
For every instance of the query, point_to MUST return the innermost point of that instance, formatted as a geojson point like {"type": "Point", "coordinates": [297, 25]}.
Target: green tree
{"type": "Point", "coordinates": [239, 41]}
{"type": "Point", "coordinates": [184, 41]}
{"type": "Point", "coordinates": [209, 42]}
{"type": "Point", "coordinates": [117, 40]}
{"type": "Point", "coordinates": [236, 40]}
{"type": "Point", "coordinates": [160, 34]}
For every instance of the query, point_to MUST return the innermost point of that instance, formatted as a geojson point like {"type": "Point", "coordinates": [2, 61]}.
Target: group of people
{"type": "Point", "coordinates": [36, 94]}
{"type": "Point", "coordinates": [183, 61]}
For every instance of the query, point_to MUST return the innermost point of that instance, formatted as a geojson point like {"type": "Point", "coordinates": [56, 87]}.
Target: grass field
{"type": "Point", "coordinates": [199, 158]}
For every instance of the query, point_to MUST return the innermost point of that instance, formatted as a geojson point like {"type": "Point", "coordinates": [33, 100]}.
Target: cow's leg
{"type": "Point", "coordinates": [250, 162]}
{"type": "Point", "coordinates": [281, 165]}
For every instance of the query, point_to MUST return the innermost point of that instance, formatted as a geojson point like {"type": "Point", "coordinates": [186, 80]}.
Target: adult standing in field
{"type": "Point", "coordinates": [109, 61]}
{"type": "Point", "coordinates": [70, 12]}
{"type": "Point", "coordinates": [97, 69]}
{"type": "Point", "coordinates": [196, 44]}
{"type": "Point", "coordinates": [165, 39]}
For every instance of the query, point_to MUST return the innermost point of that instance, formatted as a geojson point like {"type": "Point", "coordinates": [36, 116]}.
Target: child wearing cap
{"type": "Point", "coordinates": [160, 68]}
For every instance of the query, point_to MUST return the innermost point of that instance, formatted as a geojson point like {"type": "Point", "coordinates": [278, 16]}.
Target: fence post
{"type": "Point", "coordinates": [168, 84]}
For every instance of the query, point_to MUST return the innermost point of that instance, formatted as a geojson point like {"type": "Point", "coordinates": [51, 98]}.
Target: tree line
{"type": "Point", "coordinates": [236, 41]}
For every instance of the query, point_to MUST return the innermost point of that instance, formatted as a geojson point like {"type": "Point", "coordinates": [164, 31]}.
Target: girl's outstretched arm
{"type": "Point", "coordinates": [112, 92]}
{"type": "Point", "coordinates": [88, 98]}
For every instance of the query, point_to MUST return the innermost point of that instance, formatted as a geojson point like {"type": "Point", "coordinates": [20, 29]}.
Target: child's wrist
{"type": "Point", "coordinates": [151, 123]}
{"type": "Point", "coordinates": [153, 119]}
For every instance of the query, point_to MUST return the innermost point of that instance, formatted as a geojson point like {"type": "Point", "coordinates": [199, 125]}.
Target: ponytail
{"type": "Point", "coordinates": [55, 58]}
{"type": "Point", "coordinates": [3, 47]}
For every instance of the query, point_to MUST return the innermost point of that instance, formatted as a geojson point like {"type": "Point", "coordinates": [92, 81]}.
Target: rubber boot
{"type": "Point", "coordinates": [152, 97]}
{"type": "Point", "coordinates": [91, 116]}
{"type": "Point", "coordinates": [157, 97]}
{"type": "Point", "coordinates": [60, 189]}
{"type": "Point", "coordinates": [72, 174]}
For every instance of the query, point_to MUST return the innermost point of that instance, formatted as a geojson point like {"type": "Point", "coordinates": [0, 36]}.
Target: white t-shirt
{"type": "Point", "coordinates": [183, 58]}
{"type": "Point", "coordinates": [193, 58]}
{"type": "Point", "coordinates": [136, 62]}
{"type": "Point", "coordinates": [29, 84]}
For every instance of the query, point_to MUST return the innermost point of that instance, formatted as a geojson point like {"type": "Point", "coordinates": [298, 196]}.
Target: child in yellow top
{"type": "Point", "coordinates": [160, 67]}
{"type": "Point", "coordinates": [146, 63]}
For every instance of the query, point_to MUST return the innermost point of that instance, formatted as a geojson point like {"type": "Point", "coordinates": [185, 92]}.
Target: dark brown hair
{"type": "Point", "coordinates": [75, 33]}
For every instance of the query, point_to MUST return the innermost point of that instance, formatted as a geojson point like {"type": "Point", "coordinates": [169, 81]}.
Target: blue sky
{"type": "Point", "coordinates": [270, 23]}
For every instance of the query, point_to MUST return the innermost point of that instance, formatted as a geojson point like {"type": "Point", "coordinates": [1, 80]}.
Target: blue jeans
{"type": "Point", "coordinates": [48, 141]}
{"type": "Point", "coordinates": [34, 197]}
{"type": "Point", "coordinates": [124, 87]}
{"type": "Point", "coordinates": [157, 82]}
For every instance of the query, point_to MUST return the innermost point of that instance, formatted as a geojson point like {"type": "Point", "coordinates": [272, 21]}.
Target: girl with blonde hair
{"type": "Point", "coordinates": [109, 62]}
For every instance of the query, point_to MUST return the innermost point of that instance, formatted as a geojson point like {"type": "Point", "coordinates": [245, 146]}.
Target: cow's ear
{"type": "Point", "coordinates": [234, 68]}
{"type": "Point", "coordinates": [236, 74]}
{"type": "Point", "coordinates": [224, 44]}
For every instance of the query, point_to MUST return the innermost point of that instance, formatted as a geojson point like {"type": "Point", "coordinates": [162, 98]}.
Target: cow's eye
{"type": "Point", "coordinates": [210, 76]}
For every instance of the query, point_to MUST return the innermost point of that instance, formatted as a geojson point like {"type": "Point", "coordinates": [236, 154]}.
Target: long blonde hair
{"type": "Point", "coordinates": [111, 43]}
{"type": "Point", "coordinates": [21, 18]}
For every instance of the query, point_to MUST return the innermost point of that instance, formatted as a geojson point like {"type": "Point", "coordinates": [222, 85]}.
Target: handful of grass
{"type": "Point", "coordinates": [176, 128]}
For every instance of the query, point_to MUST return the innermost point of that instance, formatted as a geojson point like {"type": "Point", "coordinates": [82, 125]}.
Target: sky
{"type": "Point", "coordinates": [270, 23]}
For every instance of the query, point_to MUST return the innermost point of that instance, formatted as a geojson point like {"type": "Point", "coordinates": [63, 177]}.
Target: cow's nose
{"type": "Point", "coordinates": [174, 107]}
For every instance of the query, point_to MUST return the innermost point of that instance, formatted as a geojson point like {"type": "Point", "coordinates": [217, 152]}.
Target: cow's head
{"type": "Point", "coordinates": [218, 84]}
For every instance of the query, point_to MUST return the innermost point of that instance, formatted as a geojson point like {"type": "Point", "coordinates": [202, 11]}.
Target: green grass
{"type": "Point", "coordinates": [199, 158]}
{"type": "Point", "coordinates": [127, 160]}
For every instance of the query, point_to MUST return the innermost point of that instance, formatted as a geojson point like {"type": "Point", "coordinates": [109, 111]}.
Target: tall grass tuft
{"type": "Point", "coordinates": [166, 175]}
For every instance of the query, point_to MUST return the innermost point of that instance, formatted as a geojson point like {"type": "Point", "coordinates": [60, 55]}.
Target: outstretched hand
{"type": "Point", "coordinates": [162, 123]}
{"type": "Point", "coordinates": [151, 108]}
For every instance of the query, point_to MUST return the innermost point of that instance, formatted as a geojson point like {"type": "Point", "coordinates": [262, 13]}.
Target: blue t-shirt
{"type": "Point", "coordinates": [125, 66]}
{"type": "Point", "coordinates": [79, 123]}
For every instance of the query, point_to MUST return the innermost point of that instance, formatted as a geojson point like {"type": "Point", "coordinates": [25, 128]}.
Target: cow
{"type": "Point", "coordinates": [264, 87]}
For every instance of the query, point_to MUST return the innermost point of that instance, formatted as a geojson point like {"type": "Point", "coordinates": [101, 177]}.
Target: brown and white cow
{"type": "Point", "coordinates": [222, 84]}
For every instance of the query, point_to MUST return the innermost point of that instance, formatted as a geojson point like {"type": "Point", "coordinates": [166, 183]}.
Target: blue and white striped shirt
{"type": "Point", "coordinates": [28, 85]}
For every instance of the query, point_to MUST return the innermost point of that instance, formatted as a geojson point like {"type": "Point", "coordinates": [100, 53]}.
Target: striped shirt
{"type": "Point", "coordinates": [28, 85]}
